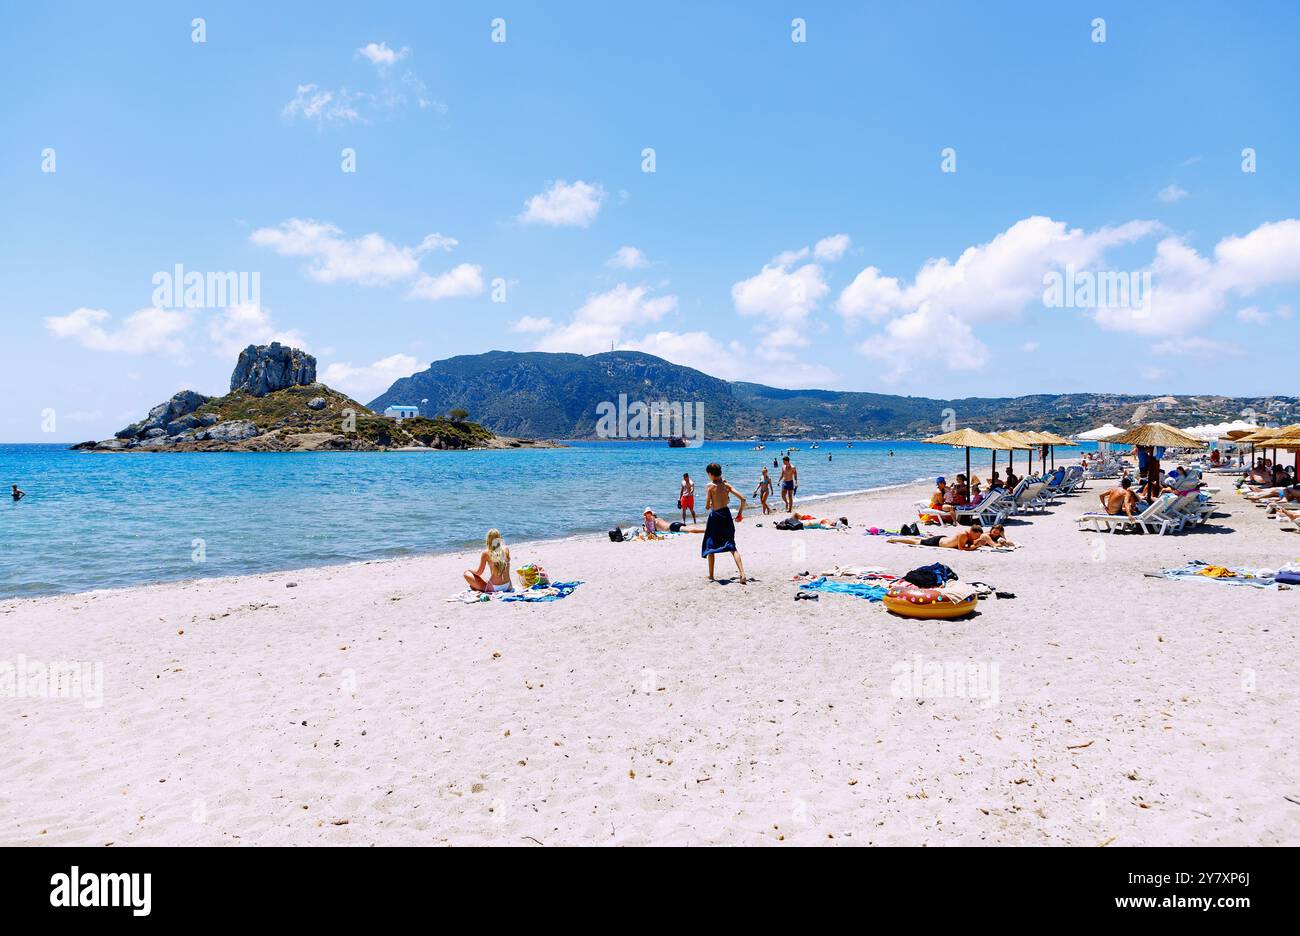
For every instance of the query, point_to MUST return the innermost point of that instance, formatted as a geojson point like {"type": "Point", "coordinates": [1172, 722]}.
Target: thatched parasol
{"type": "Point", "coordinates": [967, 439]}
{"type": "Point", "coordinates": [1023, 440]}
{"type": "Point", "coordinates": [1157, 435]}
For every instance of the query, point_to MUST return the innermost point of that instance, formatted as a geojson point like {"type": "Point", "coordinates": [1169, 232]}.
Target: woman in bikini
{"type": "Point", "coordinates": [496, 555]}
{"type": "Point", "coordinates": [764, 490]}
{"type": "Point", "coordinates": [720, 530]}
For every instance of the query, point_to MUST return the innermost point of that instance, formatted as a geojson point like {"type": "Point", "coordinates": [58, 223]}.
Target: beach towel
{"type": "Point", "coordinates": [877, 531]}
{"type": "Point", "coordinates": [552, 592]}
{"type": "Point", "coordinates": [856, 589]}
{"type": "Point", "coordinates": [1197, 571]}
{"type": "Point", "coordinates": [719, 533]}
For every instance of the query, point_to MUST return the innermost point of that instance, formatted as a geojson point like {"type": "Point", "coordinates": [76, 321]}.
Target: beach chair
{"type": "Point", "coordinates": [990, 510]}
{"type": "Point", "coordinates": [1029, 499]}
{"type": "Point", "coordinates": [1074, 480]}
{"type": "Point", "coordinates": [1154, 519]}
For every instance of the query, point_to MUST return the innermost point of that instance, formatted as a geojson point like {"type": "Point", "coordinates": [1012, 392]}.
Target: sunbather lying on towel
{"type": "Point", "coordinates": [967, 540]}
{"type": "Point", "coordinates": [653, 525]}
{"type": "Point", "coordinates": [997, 537]}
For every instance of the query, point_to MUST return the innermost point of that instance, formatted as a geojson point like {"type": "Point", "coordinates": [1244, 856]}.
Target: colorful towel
{"type": "Point", "coordinates": [1197, 571]}
{"type": "Point", "coordinates": [552, 592]}
{"type": "Point", "coordinates": [856, 589]}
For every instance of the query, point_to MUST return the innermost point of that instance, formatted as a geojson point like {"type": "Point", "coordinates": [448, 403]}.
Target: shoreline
{"type": "Point", "coordinates": [413, 555]}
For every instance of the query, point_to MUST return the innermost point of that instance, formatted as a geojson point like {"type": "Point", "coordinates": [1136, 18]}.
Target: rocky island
{"type": "Point", "coordinates": [275, 404]}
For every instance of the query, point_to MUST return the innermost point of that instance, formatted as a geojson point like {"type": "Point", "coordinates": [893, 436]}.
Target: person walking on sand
{"type": "Point", "coordinates": [764, 490]}
{"type": "Point", "coordinates": [720, 529]}
{"type": "Point", "coordinates": [686, 498]}
{"type": "Point", "coordinates": [496, 555]}
{"type": "Point", "coordinates": [789, 483]}
{"type": "Point", "coordinates": [17, 494]}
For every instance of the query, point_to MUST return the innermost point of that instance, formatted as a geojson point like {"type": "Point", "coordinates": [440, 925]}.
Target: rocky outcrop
{"type": "Point", "coordinates": [264, 369]}
{"type": "Point", "coordinates": [162, 415]}
{"type": "Point", "coordinates": [235, 430]}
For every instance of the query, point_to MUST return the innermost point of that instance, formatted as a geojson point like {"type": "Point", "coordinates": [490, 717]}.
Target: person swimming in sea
{"type": "Point", "coordinates": [496, 556]}
{"type": "Point", "coordinates": [17, 494]}
{"type": "Point", "coordinates": [720, 530]}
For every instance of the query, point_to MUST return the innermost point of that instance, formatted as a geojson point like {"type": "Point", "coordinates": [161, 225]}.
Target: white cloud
{"type": "Point", "coordinates": [379, 54]}
{"type": "Point", "coordinates": [323, 107]}
{"type": "Point", "coordinates": [604, 319]}
{"type": "Point", "coordinates": [1196, 346]}
{"type": "Point", "coordinates": [370, 380]}
{"type": "Point", "coordinates": [369, 260]}
{"type": "Point", "coordinates": [1253, 315]}
{"type": "Point", "coordinates": [1029, 347]}
{"type": "Point", "coordinates": [143, 332]}
{"type": "Point", "coordinates": [628, 258]}
{"type": "Point", "coordinates": [1189, 290]}
{"type": "Point", "coordinates": [232, 329]}
{"type": "Point", "coordinates": [464, 280]}
{"type": "Point", "coordinates": [531, 323]}
{"type": "Point", "coordinates": [1172, 193]}
{"type": "Point", "coordinates": [923, 336]}
{"type": "Point", "coordinates": [562, 204]}
{"type": "Point", "coordinates": [930, 318]}
{"type": "Point", "coordinates": [783, 296]}
{"type": "Point", "coordinates": [832, 248]}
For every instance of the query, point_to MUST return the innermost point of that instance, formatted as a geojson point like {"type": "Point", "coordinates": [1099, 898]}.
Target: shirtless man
{"type": "Point", "coordinates": [686, 498]}
{"type": "Point", "coordinates": [17, 494]}
{"type": "Point", "coordinates": [1120, 500]}
{"type": "Point", "coordinates": [789, 483]}
{"type": "Point", "coordinates": [967, 539]}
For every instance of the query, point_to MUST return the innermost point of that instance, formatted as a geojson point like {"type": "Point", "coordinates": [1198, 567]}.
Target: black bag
{"type": "Point", "coordinates": [789, 523]}
{"type": "Point", "coordinates": [616, 535]}
{"type": "Point", "coordinates": [935, 575]}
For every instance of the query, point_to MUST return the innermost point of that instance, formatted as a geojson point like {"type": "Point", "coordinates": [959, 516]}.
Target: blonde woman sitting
{"type": "Point", "coordinates": [496, 558]}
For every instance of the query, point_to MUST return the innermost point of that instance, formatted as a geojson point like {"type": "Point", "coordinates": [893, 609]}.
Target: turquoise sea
{"type": "Point", "coordinates": [109, 520]}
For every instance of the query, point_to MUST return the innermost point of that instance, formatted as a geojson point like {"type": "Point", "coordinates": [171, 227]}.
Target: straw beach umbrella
{"type": "Point", "coordinates": [1023, 440]}
{"type": "Point", "coordinates": [1156, 435]}
{"type": "Point", "coordinates": [1053, 440]}
{"type": "Point", "coordinates": [964, 438]}
{"type": "Point", "coordinates": [1009, 445]}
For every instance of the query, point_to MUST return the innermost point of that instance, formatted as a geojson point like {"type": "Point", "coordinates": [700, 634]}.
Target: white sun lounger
{"type": "Point", "coordinates": [1154, 519]}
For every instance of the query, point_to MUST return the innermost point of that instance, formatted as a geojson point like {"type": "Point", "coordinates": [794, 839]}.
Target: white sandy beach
{"type": "Point", "coordinates": [361, 707]}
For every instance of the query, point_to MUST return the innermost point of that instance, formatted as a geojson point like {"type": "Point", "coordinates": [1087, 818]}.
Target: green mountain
{"type": "Point", "coordinates": [555, 396]}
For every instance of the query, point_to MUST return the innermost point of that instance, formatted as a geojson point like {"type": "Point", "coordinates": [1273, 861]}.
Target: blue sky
{"type": "Point", "coordinates": [798, 229]}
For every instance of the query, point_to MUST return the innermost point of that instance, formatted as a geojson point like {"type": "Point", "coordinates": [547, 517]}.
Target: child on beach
{"type": "Point", "coordinates": [720, 529]}
{"type": "Point", "coordinates": [764, 490]}
{"type": "Point", "coordinates": [497, 556]}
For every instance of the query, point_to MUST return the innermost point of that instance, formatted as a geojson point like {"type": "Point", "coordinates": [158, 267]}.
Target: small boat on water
{"type": "Point", "coordinates": [759, 447]}
{"type": "Point", "coordinates": [815, 445]}
{"type": "Point", "coordinates": [676, 442]}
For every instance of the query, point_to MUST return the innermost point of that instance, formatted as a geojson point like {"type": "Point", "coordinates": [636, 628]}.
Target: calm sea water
{"type": "Point", "coordinates": [105, 520]}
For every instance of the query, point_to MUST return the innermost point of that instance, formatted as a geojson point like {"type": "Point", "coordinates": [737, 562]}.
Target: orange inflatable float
{"type": "Point", "coordinates": [906, 599]}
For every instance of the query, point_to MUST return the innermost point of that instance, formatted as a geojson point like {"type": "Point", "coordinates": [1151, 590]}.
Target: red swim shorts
{"type": "Point", "coordinates": [688, 502]}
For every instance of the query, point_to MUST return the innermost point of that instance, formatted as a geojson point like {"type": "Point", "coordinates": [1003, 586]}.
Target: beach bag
{"type": "Point", "coordinates": [616, 535]}
{"type": "Point", "coordinates": [934, 575]}
{"type": "Point", "coordinates": [789, 523]}
{"type": "Point", "coordinates": [533, 574]}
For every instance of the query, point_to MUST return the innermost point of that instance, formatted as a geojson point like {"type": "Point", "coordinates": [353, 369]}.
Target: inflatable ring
{"type": "Point", "coordinates": [905, 599]}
